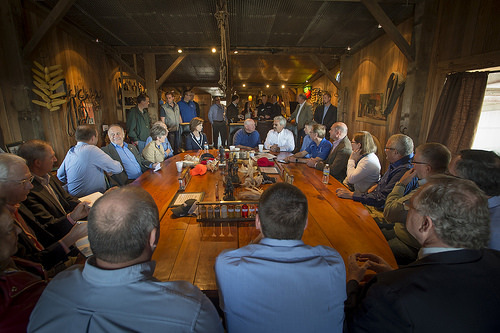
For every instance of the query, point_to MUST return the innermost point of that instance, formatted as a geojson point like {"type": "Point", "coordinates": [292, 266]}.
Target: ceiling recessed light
{"type": "Point", "coordinates": [244, 85]}
{"type": "Point", "coordinates": [282, 86]}
{"type": "Point", "coordinates": [179, 50]}
{"type": "Point", "coordinates": [214, 50]}
{"type": "Point", "coordinates": [348, 48]}
{"type": "Point", "coordinates": [267, 86]}
{"type": "Point", "coordinates": [379, 26]}
{"type": "Point", "coordinates": [307, 81]}
{"type": "Point", "coordinates": [235, 51]}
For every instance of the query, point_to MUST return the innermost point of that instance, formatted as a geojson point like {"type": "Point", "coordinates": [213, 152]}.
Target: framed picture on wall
{"type": "Point", "coordinates": [14, 147]}
{"type": "Point", "coordinates": [371, 109]}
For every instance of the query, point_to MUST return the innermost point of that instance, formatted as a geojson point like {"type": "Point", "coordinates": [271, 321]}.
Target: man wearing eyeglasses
{"type": "Point", "coordinates": [35, 242]}
{"type": "Point", "coordinates": [399, 152]}
{"type": "Point", "coordinates": [452, 287]}
{"type": "Point", "coordinates": [430, 159]}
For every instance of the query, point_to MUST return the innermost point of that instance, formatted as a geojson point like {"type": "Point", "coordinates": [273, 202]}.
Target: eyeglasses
{"type": "Point", "coordinates": [415, 162]}
{"type": "Point", "coordinates": [22, 182]}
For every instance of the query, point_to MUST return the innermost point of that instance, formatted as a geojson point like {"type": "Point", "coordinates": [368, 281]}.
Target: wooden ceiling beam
{"type": "Point", "coordinates": [266, 50]}
{"type": "Point", "coordinates": [169, 71]}
{"type": "Point", "coordinates": [325, 70]}
{"type": "Point", "coordinates": [389, 27]}
{"type": "Point", "coordinates": [55, 15]}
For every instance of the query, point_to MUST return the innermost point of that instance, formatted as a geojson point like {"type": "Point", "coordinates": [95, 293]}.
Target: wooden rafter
{"type": "Point", "coordinates": [169, 71]}
{"type": "Point", "coordinates": [325, 70]}
{"type": "Point", "coordinates": [389, 27]}
{"type": "Point", "coordinates": [55, 15]}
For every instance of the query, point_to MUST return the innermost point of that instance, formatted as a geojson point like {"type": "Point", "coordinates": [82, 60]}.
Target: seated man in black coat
{"type": "Point", "coordinates": [132, 162]}
{"type": "Point", "coordinates": [47, 202]}
{"type": "Point", "coordinates": [35, 242]}
{"type": "Point", "coordinates": [452, 287]}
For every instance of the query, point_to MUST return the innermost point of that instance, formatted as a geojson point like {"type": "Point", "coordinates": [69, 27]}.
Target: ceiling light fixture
{"type": "Point", "coordinates": [267, 86]}
{"type": "Point", "coordinates": [244, 85]}
{"type": "Point", "coordinates": [282, 86]}
{"type": "Point", "coordinates": [179, 50]}
{"type": "Point", "coordinates": [348, 48]}
{"type": "Point", "coordinates": [235, 51]}
{"type": "Point", "coordinates": [214, 50]}
{"type": "Point", "coordinates": [379, 26]}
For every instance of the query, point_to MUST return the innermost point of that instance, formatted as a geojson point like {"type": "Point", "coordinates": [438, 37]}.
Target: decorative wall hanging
{"type": "Point", "coordinates": [50, 86]}
{"type": "Point", "coordinates": [370, 108]}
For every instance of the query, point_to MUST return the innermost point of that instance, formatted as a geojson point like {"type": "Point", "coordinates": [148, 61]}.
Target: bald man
{"type": "Point", "coordinates": [339, 155]}
{"type": "Point", "coordinates": [116, 290]}
{"type": "Point", "coordinates": [247, 137]}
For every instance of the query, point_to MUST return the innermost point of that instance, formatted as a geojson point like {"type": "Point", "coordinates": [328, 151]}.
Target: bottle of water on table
{"type": "Point", "coordinates": [326, 174]}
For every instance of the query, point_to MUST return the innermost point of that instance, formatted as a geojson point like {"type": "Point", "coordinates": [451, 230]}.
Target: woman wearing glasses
{"type": "Point", "coordinates": [363, 167]}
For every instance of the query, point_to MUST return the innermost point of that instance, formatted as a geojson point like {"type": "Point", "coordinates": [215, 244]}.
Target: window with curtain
{"type": "Point", "coordinates": [488, 127]}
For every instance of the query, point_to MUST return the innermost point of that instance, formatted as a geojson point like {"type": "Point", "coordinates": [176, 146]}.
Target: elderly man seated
{"type": "Point", "coordinates": [339, 154]}
{"type": "Point", "coordinates": [21, 281]}
{"type": "Point", "coordinates": [53, 208]}
{"type": "Point", "coordinates": [317, 150]}
{"type": "Point", "coordinates": [279, 138]}
{"type": "Point", "coordinates": [399, 152]}
{"type": "Point", "coordinates": [84, 166]}
{"type": "Point", "coordinates": [247, 137]}
{"type": "Point", "coordinates": [35, 242]}
{"type": "Point", "coordinates": [129, 157]}
{"type": "Point", "coordinates": [430, 159]}
{"type": "Point", "coordinates": [115, 291]}
{"type": "Point", "coordinates": [439, 292]}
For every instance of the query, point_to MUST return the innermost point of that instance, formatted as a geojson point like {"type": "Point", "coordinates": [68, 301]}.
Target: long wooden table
{"type": "Point", "coordinates": [187, 249]}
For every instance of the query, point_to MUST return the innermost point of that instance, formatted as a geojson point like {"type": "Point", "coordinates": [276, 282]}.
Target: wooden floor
{"type": "Point", "coordinates": [187, 249]}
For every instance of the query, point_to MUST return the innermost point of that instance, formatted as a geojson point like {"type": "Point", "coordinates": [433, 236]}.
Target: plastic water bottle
{"type": "Point", "coordinates": [326, 174]}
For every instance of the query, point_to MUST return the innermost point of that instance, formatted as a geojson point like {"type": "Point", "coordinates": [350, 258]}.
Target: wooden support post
{"type": "Point", "coordinates": [413, 110]}
{"type": "Point", "coordinates": [56, 14]}
{"type": "Point", "coordinates": [150, 76]}
{"type": "Point", "coordinates": [169, 71]}
{"type": "Point", "coordinates": [389, 27]}
{"type": "Point", "coordinates": [325, 70]}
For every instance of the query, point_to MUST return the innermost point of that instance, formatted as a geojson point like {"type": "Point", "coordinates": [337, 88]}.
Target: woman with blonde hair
{"type": "Point", "coordinates": [363, 167]}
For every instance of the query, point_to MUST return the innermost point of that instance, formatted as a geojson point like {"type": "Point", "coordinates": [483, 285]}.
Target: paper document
{"type": "Point", "coordinates": [91, 198]}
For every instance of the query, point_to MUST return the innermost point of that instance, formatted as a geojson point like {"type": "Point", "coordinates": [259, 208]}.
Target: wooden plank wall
{"type": "Point", "coordinates": [365, 72]}
{"type": "Point", "coordinates": [467, 38]}
{"type": "Point", "coordinates": [85, 65]}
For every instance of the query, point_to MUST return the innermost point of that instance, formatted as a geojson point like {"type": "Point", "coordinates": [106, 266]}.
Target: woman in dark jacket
{"type": "Point", "coordinates": [196, 139]}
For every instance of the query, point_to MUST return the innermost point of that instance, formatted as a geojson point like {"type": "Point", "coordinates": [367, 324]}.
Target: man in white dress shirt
{"type": "Point", "coordinates": [279, 138]}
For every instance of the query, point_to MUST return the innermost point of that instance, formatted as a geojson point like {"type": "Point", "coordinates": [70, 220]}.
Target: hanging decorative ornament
{"type": "Point", "coordinates": [47, 81]}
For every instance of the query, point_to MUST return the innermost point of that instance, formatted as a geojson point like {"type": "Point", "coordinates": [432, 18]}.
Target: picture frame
{"type": "Point", "coordinates": [371, 108]}
{"type": "Point", "coordinates": [13, 147]}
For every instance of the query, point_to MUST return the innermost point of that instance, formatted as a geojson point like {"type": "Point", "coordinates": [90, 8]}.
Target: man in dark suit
{"type": "Point", "coordinates": [452, 287]}
{"type": "Point", "coordinates": [339, 155]}
{"type": "Point", "coordinates": [326, 114]}
{"type": "Point", "coordinates": [132, 162]}
{"type": "Point", "coordinates": [232, 111]}
{"type": "Point", "coordinates": [302, 114]}
{"type": "Point", "coordinates": [47, 203]}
